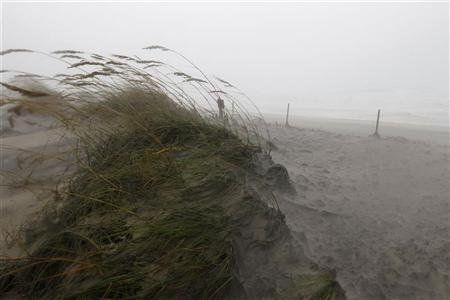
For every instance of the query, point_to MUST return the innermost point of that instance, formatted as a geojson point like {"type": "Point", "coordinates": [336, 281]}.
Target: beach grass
{"type": "Point", "coordinates": [141, 217]}
{"type": "Point", "coordinates": [156, 201]}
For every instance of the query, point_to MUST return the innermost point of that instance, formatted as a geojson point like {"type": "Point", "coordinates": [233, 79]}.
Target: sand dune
{"type": "Point", "coordinates": [376, 210]}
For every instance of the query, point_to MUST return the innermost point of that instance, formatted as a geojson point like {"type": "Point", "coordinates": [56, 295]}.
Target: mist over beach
{"type": "Point", "coordinates": [344, 59]}
{"type": "Point", "coordinates": [237, 150]}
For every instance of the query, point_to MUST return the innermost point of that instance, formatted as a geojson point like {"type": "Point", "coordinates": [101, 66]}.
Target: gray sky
{"type": "Point", "coordinates": [341, 55]}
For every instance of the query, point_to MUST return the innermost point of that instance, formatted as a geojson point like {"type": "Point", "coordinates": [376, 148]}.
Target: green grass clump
{"type": "Point", "coordinates": [144, 214]}
{"type": "Point", "coordinates": [322, 286]}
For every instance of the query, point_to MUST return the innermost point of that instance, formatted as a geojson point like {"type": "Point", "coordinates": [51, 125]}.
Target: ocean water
{"type": "Point", "coordinates": [428, 117]}
{"type": "Point", "coordinates": [415, 107]}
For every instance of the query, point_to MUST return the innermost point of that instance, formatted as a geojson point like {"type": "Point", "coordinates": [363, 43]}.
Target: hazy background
{"type": "Point", "coordinates": [340, 60]}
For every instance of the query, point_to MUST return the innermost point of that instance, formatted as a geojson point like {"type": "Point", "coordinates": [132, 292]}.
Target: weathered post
{"type": "Point", "coordinates": [221, 105]}
{"type": "Point", "coordinates": [287, 116]}
{"type": "Point", "coordinates": [376, 134]}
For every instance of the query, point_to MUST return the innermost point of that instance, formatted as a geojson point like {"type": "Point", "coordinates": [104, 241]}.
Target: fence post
{"type": "Point", "coordinates": [221, 105]}
{"type": "Point", "coordinates": [376, 134]}
{"type": "Point", "coordinates": [287, 116]}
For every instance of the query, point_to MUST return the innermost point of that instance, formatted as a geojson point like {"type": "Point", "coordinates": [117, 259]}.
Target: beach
{"type": "Point", "coordinates": [375, 210]}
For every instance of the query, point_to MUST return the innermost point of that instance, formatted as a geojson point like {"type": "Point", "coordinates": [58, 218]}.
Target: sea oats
{"type": "Point", "coordinates": [157, 47]}
{"type": "Point", "coordinates": [97, 56]}
{"type": "Point", "coordinates": [125, 57]}
{"type": "Point", "coordinates": [121, 71]}
{"type": "Point", "coordinates": [148, 61]}
{"type": "Point", "coordinates": [195, 80]}
{"type": "Point", "coordinates": [182, 74]}
{"type": "Point", "coordinates": [14, 51]}
{"type": "Point", "coordinates": [218, 91]}
{"type": "Point", "coordinates": [152, 65]}
{"type": "Point", "coordinates": [24, 92]}
{"type": "Point", "coordinates": [71, 56]}
{"type": "Point", "coordinates": [67, 52]}
{"type": "Point", "coordinates": [227, 84]}
{"type": "Point", "coordinates": [85, 63]}
{"type": "Point", "coordinates": [96, 73]}
{"type": "Point", "coordinates": [117, 63]}
{"type": "Point", "coordinates": [28, 76]}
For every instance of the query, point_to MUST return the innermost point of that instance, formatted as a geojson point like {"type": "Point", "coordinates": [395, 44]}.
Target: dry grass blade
{"type": "Point", "coordinates": [71, 56]}
{"type": "Point", "coordinates": [96, 73]}
{"type": "Point", "coordinates": [152, 66]}
{"type": "Point", "coordinates": [149, 62]}
{"type": "Point", "coordinates": [14, 51]}
{"type": "Point", "coordinates": [196, 80]}
{"type": "Point", "coordinates": [156, 47]}
{"type": "Point", "coordinates": [67, 52]}
{"type": "Point", "coordinates": [182, 74]}
{"type": "Point", "coordinates": [86, 63]}
{"type": "Point", "coordinates": [226, 83]}
{"type": "Point", "coordinates": [117, 63]}
{"type": "Point", "coordinates": [125, 57]}
{"type": "Point", "coordinates": [218, 91]}
{"type": "Point", "coordinates": [24, 92]}
{"type": "Point", "coordinates": [98, 56]}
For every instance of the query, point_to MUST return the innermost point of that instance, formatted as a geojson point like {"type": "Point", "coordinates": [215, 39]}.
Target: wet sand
{"type": "Point", "coordinates": [375, 210]}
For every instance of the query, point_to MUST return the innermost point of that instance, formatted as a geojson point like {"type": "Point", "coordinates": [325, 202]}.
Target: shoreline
{"type": "Point", "coordinates": [426, 133]}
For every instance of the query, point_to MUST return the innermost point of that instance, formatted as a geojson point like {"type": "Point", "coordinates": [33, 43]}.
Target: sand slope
{"type": "Point", "coordinates": [33, 158]}
{"type": "Point", "coordinates": [376, 210]}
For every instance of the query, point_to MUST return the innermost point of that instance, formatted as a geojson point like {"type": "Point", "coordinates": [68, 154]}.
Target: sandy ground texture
{"type": "Point", "coordinates": [33, 158]}
{"type": "Point", "coordinates": [375, 210]}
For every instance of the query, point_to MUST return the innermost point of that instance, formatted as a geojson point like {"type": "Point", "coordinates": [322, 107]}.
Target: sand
{"type": "Point", "coordinates": [375, 210]}
{"type": "Point", "coordinates": [34, 157]}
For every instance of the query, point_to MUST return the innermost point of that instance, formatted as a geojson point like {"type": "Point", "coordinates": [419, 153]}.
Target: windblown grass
{"type": "Point", "coordinates": [91, 77]}
{"type": "Point", "coordinates": [142, 216]}
{"type": "Point", "coordinates": [145, 214]}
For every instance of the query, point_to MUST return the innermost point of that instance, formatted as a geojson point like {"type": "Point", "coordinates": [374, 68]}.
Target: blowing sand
{"type": "Point", "coordinates": [375, 210]}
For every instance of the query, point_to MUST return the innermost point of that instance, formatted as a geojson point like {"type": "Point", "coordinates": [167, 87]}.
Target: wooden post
{"type": "Point", "coordinates": [287, 116]}
{"type": "Point", "coordinates": [378, 121]}
{"type": "Point", "coordinates": [221, 106]}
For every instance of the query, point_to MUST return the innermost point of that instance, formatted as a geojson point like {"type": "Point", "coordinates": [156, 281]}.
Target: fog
{"type": "Point", "coordinates": [372, 205]}
{"type": "Point", "coordinates": [341, 60]}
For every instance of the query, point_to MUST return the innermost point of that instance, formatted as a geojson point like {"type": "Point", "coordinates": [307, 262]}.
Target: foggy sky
{"type": "Point", "coordinates": [312, 55]}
